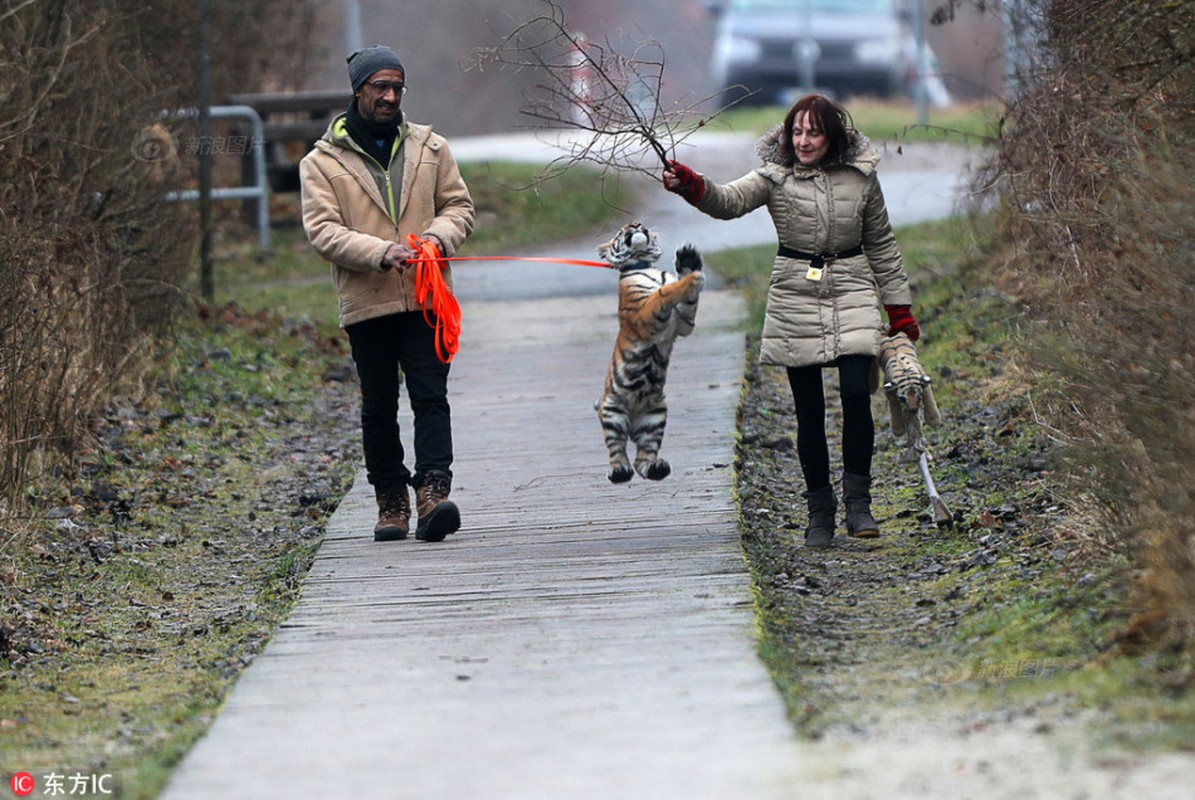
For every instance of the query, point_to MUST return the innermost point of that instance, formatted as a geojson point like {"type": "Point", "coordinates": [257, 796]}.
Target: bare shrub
{"type": "Point", "coordinates": [93, 265]}
{"type": "Point", "coordinates": [80, 222]}
{"type": "Point", "coordinates": [607, 93]}
{"type": "Point", "coordinates": [1096, 171]}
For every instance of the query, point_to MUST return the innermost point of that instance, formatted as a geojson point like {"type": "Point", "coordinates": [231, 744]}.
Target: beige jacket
{"type": "Point", "coordinates": [354, 209]}
{"type": "Point", "coordinates": [824, 209]}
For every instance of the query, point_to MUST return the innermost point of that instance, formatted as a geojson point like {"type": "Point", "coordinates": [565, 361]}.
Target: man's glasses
{"type": "Point", "coordinates": [384, 87]}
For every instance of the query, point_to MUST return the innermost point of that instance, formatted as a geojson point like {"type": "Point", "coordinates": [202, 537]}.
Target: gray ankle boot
{"type": "Point", "coordinates": [822, 506]}
{"type": "Point", "coordinates": [856, 496]}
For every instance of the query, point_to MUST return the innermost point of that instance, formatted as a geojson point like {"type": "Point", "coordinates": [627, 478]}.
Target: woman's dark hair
{"type": "Point", "coordinates": [831, 118]}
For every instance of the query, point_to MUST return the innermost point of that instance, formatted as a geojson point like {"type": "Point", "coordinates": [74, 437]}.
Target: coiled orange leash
{"type": "Point", "coordinates": [432, 292]}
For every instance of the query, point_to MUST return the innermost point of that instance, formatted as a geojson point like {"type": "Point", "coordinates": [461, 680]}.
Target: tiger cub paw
{"type": "Point", "coordinates": [687, 259]}
{"type": "Point", "coordinates": [620, 474]}
{"type": "Point", "coordinates": [656, 470]}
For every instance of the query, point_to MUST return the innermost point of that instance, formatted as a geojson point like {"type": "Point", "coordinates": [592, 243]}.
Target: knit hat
{"type": "Point", "coordinates": [369, 60]}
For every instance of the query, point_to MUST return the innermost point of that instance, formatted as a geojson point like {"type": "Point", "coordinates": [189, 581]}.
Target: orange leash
{"type": "Point", "coordinates": [430, 285]}
{"type": "Point", "coordinates": [578, 262]}
{"type": "Point", "coordinates": [432, 292]}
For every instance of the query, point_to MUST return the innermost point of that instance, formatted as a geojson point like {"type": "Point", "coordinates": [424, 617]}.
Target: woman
{"type": "Point", "coordinates": [837, 263]}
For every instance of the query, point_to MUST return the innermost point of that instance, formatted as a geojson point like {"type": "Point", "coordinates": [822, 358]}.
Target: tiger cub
{"type": "Point", "coordinates": [654, 307]}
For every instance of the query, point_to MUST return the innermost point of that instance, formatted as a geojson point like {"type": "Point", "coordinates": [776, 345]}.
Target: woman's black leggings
{"type": "Point", "coordinates": [858, 430]}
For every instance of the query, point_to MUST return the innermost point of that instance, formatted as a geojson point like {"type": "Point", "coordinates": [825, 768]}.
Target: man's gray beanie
{"type": "Point", "coordinates": [369, 60]}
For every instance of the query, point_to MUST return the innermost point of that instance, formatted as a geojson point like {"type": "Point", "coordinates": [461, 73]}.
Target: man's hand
{"type": "Point", "coordinates": [431, 237]}
{"type": "Point", "coordinates": [396, 257]}
{"type": "Point", "coordinates": [400, 255]}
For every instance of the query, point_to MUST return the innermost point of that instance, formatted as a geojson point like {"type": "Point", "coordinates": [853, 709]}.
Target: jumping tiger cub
{"type": "Point", "coordinates": [654, 307]}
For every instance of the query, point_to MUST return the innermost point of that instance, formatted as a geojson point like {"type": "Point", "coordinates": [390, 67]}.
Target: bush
{"type": "Point", "coordinates": [92, 262]}
{"type": "Point", "coordinates": [1096, 168]}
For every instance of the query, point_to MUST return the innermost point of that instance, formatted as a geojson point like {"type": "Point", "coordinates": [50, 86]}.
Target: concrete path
{"type": "Point", "coordinates": [574, 640]}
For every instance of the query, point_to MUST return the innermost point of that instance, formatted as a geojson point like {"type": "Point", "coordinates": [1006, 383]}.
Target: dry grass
{"type": "Point", "coordinates": [1096, 171]}
{"type": "Point", "coordinates": [87, 255]}
{"type": "Point", "coordinates": [92, 262]}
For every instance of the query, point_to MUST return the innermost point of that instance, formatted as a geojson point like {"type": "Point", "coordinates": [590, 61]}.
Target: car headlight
{"type": "Point", "coordinates": [878, 51]}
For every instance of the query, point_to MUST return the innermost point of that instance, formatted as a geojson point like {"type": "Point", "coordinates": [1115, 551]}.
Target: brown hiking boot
{"type": "Point", "coordinates": [438, 516]}
{"type": "Point", "coordinates": [394, 514]}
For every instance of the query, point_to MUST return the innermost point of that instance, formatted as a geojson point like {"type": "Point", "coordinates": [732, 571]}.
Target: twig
{"type": "Point", "coordinates": [613, 99]}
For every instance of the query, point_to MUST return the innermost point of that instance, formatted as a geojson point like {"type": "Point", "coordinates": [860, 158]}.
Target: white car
{"type": "Point", "coordinates": [775, 48]}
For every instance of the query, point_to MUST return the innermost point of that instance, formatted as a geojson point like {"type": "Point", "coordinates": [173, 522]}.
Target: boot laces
{"type": "Point", "coordinates": [436, 488]}
{"type": "Point", "coordinates": [394, 503]}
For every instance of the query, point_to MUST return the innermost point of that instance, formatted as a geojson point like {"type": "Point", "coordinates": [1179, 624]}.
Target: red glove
{"type": "Point", "coordinates": [900, 320]}
{"type": "Point", "coordinates": [687, 183]}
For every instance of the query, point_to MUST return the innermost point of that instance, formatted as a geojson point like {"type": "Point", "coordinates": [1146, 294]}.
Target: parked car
{"type": "Point", "coordinates": [775, 48]}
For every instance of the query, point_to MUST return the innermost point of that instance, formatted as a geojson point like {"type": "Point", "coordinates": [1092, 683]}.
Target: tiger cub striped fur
{"type": "Point", "coordinates": [654, 307]}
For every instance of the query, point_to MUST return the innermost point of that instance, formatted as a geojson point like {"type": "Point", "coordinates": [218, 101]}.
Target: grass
{"type": "Point", "coordinates": [1054, 639]}
{"type": "Point", "coordinates": [517, 207]}
{"type": "Point", "coordinates": [973, 123]}
{"type": "Point", "coordinates": [181, 556]}
{"type": "Point", "coordinates": [1041, 622]}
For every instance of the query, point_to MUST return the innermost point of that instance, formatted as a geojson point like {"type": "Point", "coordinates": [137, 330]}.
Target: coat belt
{"type": "Point", "coordinates": [819, 259]}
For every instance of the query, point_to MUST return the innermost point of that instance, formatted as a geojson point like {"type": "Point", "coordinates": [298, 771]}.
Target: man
{"type": "Point", "coordinates": [374, 178]}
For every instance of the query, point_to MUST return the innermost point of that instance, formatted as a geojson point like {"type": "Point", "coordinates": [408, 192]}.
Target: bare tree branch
{"type": "Point", "coordinates": [47, 83]}
{"type": "Point", "coordinates": [15, 9]}
{"type": "Point", "coordinates": [610, 98]}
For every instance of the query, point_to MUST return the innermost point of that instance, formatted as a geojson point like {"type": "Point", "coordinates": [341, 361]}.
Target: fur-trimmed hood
{"type": "Point", "coordinates": [859, 154]}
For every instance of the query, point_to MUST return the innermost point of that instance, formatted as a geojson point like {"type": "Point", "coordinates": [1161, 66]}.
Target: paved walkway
{"type": "Point", "coordinates": [574, 640]}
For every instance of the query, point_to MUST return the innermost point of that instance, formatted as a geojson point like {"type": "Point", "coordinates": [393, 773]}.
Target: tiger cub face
{"type": "Point", "coordinates": [634, 246]}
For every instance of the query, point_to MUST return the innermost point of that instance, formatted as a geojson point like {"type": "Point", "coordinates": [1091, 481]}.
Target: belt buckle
{"type": "Point", "coordinates": [816, 268]}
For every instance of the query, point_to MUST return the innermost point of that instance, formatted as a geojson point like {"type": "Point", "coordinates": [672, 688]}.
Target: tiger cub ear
{"type": "Point", "coordinates": [687, 259]}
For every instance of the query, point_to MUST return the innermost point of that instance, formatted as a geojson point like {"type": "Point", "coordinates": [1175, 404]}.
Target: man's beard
{"type": "Point", "coordinates": [378, 117]}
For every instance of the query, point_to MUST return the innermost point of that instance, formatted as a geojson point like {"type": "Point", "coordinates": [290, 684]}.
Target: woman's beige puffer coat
{"type": "Point", "coordinates": [824, 209]}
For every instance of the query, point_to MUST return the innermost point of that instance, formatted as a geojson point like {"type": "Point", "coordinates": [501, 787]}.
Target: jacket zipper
{"type": "Point", "coordinates": [389, 183]}
{"type": "Point", "coordinates": [390, 204]}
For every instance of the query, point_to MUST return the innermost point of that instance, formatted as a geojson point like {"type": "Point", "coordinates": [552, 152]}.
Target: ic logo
{"type": "Point", "coordinates": [22, 784]}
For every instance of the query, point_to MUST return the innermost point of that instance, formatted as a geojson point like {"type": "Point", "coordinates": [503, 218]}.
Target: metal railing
{"type": "Point", "coordinates": [260, 191]}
